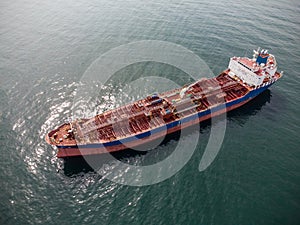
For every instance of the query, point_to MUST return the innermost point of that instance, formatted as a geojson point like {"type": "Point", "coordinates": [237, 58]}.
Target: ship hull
{"type": "Point", "coordinates": [157, 133]}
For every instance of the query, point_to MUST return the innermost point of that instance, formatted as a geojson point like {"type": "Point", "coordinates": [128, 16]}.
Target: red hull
{"type": "Point", "coordinates": [71, 152]}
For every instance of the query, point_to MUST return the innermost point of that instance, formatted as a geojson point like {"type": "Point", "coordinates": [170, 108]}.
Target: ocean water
{"type": "Point", "coordinates": [46, 47]}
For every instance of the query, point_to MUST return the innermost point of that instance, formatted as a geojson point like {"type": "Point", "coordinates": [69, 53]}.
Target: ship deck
{"type": "Point", "coordinates": [146, 114]}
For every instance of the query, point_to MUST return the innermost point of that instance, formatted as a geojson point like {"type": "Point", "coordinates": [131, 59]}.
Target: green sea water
{"type": "Point", "coordinates": [46, 46]}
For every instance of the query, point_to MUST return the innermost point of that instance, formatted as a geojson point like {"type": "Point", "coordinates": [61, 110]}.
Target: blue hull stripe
{"type": "Point", "coordinates": [248, 96]}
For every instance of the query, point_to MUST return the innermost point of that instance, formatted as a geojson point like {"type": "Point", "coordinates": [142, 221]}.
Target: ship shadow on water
{"type": "Point", "coordinates": [76, 165]}
{"type": "Point", "coordinates": [251, 108]}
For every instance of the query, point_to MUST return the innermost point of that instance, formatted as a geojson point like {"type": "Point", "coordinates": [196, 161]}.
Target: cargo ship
{"type": "Point", "coordinates": [146, 120]}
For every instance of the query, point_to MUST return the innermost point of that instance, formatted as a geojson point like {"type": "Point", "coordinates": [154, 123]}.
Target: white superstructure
{"type": "Point", "coordinates": [253, 71]}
